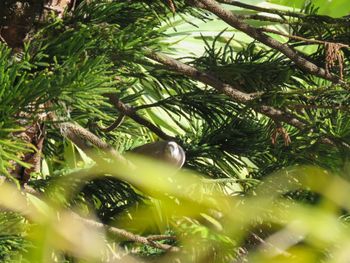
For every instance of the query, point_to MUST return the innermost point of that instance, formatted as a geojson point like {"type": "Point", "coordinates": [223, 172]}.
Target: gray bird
{"type": "Point", "coordinates": [168, 151]}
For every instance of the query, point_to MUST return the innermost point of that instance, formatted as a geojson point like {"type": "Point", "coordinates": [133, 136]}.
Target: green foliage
{"type": "Point", "coordinates": [251, 68]}
{"type": "Point", "coordinates": [12, 238]}
{"type": "Point", "coordinates": [69, 64]}
{"type": "Point", "coordinates": [330, 8]}
{"type": "Point", "coordinates": [209, 225]}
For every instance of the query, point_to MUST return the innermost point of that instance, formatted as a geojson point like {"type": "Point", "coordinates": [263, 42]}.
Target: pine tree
{"type": "Point", "coordinates": [110, 76]}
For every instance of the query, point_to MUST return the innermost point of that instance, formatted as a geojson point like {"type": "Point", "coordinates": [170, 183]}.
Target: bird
{"type": "Point", "coordinates": [167, 151]}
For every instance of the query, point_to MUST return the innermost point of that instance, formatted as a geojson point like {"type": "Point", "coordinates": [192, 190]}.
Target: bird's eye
{"type": "Point", "coordinates": [174, 154]}
{"type": "Point", "coordinates": [171, 149]}
{"type": "Point", "coordinates": [171, 146]}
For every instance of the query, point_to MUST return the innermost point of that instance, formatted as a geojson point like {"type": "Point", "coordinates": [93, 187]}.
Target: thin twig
{"type": "Point", "coordinates": [264, 18]}
{"type": "Point", "coordinates": [311, 41]}
{"type": "Point", "coordinates": [150, 105]}
{"type": "Point", "coordinates": [130, 112]}
{"type": "Point", "coordinates": [285, 21]}
{"type": "Point", "coordinates": [114, 125]}
{"type": "Point", "coordinates": [130, 236]}
{"type": "Point", "coordinates": [316, 107]}
{"type": "Point", "coordinates": [161, 237]}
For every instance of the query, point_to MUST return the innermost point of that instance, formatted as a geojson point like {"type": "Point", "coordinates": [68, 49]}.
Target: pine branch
{"type": "Point", "coordinates": [318, 106]}
{"type": "Point", "coordinates": [114, 125]}
{"type": "Point", "coordinates": [205, 77]}
{"type": "Point", "coordinates": [86, 140]}
{"type": "Point", "coordinates": [264, 18]}
{"type": "Point", "coordinates": [232, 92]}
{"type": "Point", "coordinates": [131, 112]}
{"type": "Point", "coordinates": [233, 20]}
{"type": "Point", "coordinates": [289, 21]}
{"type": "Point", "coordinates": [161, 237]}
{"type": "Point", "coordinates": [150, 241]}
{"type": "Point", "coordinates": [310, 41]}
{"type": "Point", "coordinates": [280, 116]}
{"type": "Point", "coordinates": [275, 114]}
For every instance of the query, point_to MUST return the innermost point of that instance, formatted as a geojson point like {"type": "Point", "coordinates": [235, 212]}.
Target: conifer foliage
{"type": "Point", "coordinates": [260, 89]}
